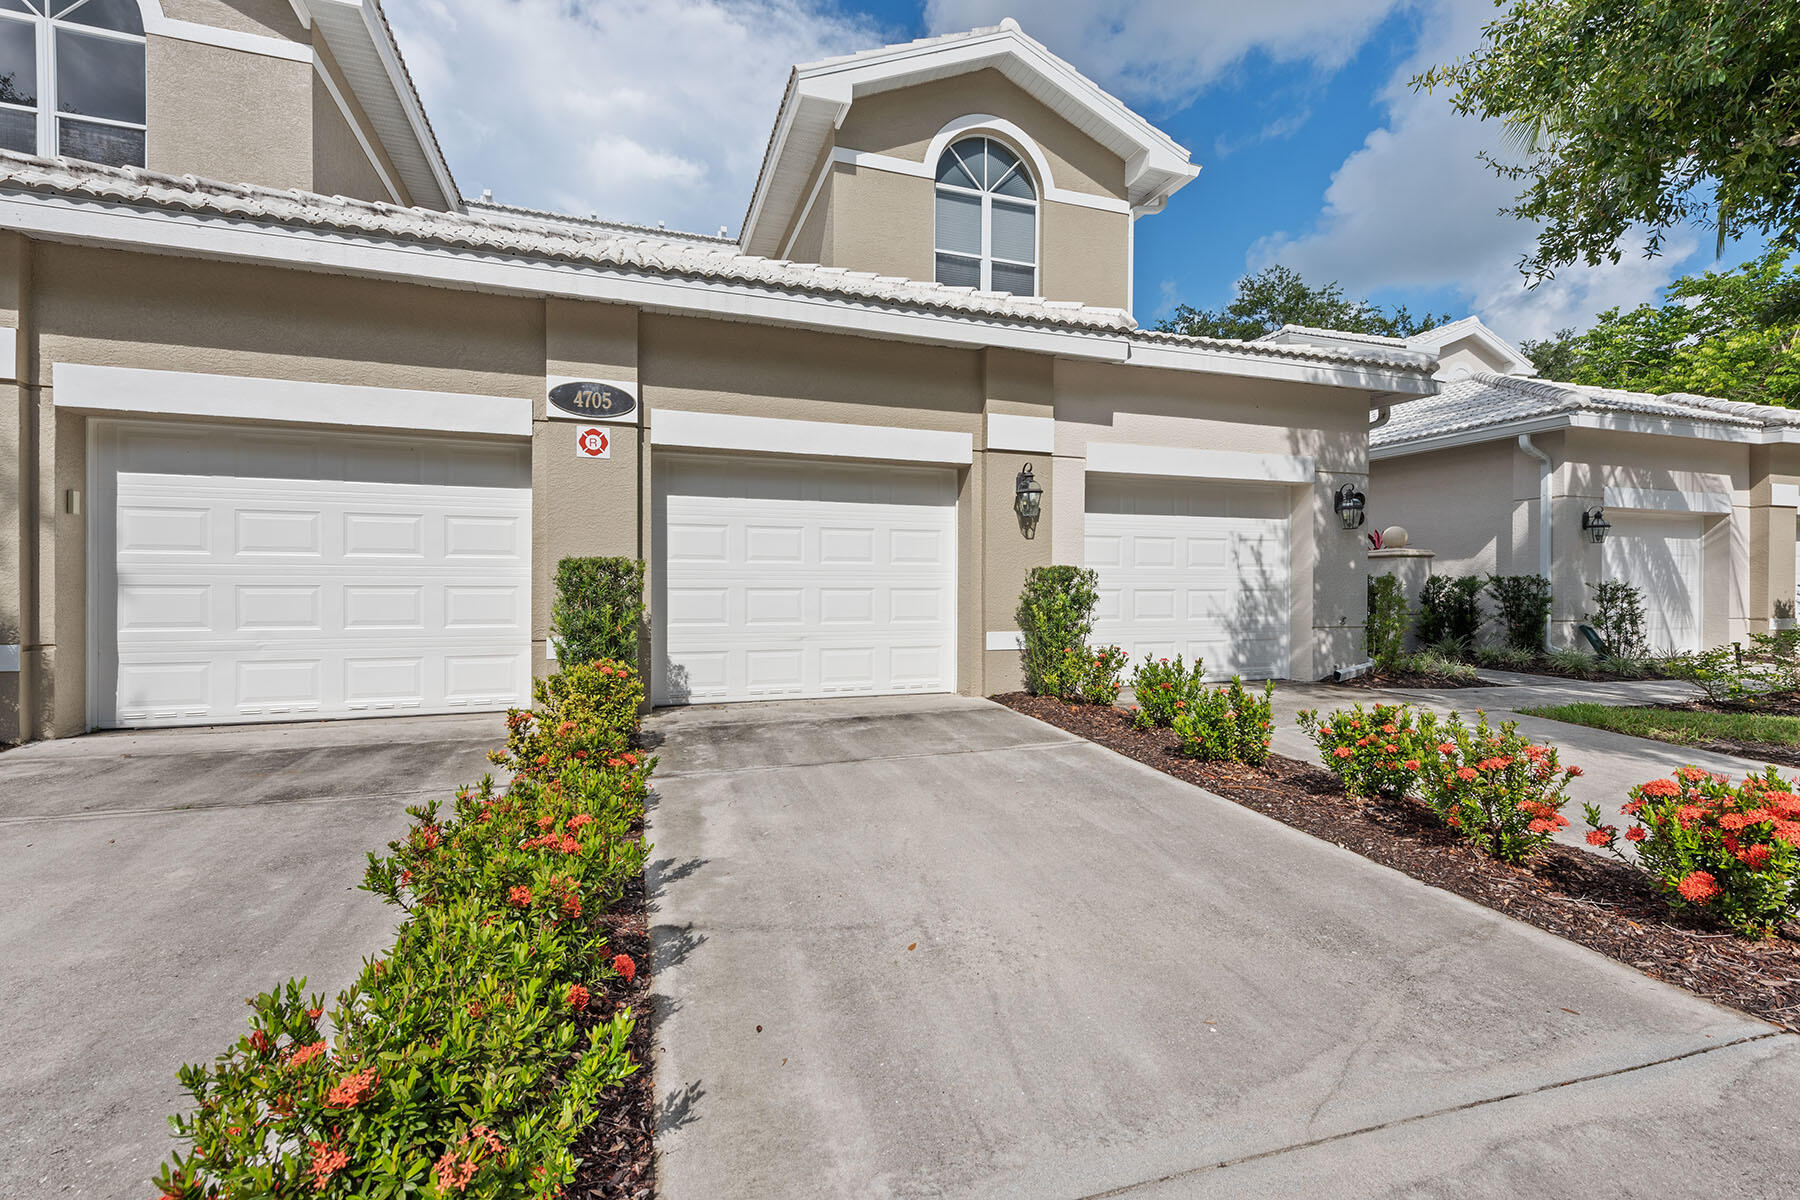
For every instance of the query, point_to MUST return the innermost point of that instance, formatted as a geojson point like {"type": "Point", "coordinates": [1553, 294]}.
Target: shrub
{"type": "Point", "coordinates": [1055, 616]}
{"type": "Point", "coordinates": [1505, 658]}
{"type": "Point", "coordinates": [1164, 690]}
{"type": "Point", "coordinates": [1435, 662]}
{"type": "Point", "coordinates": [1576, 663]}
{"type": "Point", "coordinates": [1229, 724]}
{"type": "Point", "coordinates": [1500, 793]}
{"type": "Point", "coordinates": [472, 1055]}
{"type": "Point", "coordinates": [1524, 608]}
{"type": "Point", "coordinates": [1385, 632]}
{"type": "Point", "coordinates": [599, 609]}
{"type": "Point", "coordinates": [1367, 751]}
{"type": "Point", "coordinates": [1730, 853]}
{"type": "Point", "coordinates": [1450, 610]}
{"type": "Point", "coordinates": [1618, 618]}
{"type": "Point", "coordinates": [1088, 676]}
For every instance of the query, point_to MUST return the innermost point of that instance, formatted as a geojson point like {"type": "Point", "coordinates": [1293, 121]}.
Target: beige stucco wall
{"type": "Point", "coordinates": [271, 18]}
{"type": "Point", "coordinates": [226, 114]}
{"type": "Point", "coordinates": [342, 162]}
{"type": "Point", "coordinates": [881, 222]}
{"type": "Point", "coordinates": [17, 567]}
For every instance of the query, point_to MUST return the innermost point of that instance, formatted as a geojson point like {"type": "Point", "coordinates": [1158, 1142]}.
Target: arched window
{"type": "Point", "coordinates": [72, 79]}
{"type": "Point", "coordinates": [986, 219]}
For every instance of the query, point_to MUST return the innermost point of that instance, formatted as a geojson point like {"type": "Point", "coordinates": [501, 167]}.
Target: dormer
{"type": "Point", "coordinates": [977, 160]}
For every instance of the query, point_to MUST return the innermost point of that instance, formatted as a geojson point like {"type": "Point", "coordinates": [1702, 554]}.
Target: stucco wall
{"type": "Point", "coordinates": [225, 114]}
{"type": "Point", "coordinates": [342, 163]}
{"type": "Point", "coordinates": [271, 18]}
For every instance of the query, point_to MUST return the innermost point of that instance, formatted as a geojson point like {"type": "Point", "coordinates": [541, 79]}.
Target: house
{"type": "Point", "coordinates": [299, 432]}
{"type": "Point", "coordinates": [1690, 498]}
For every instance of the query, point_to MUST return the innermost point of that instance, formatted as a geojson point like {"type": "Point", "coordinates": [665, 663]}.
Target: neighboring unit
{"type": "Point", "coordinates": [283, 454]}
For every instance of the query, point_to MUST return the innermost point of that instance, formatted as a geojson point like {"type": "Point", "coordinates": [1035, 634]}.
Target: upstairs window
{"type": "Point", "coordinates": [986, 219]}
{"type": "Point", "coordinates": [72, 79]}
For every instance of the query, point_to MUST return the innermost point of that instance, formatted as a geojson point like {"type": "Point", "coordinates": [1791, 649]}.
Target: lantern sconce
{"type": "Point", "coordinates": [1594, 524]}
{"type": "Point", "coordinates": [1028, 501]}
{"type": "Point", "coordinates": [1349, 506]}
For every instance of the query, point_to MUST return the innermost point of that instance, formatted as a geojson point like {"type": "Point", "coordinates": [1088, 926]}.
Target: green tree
{"type": "Point", "coordinates": [1629, 113]}
{"type": "Point", "coordinates": [1734, 334]}
{"type": "Point", "coordinates": [1277, 296]}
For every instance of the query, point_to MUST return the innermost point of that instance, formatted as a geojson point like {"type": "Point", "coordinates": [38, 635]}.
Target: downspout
{"type": "Point", "coordinates": [1543, 518]}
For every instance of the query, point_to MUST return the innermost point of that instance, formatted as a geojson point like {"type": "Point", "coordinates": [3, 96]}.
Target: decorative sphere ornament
{"type": "Point", "coordinates": [1394, 538]}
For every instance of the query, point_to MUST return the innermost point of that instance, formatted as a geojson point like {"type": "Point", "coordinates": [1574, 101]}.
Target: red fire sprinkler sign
{"type": "Point", "coordinates": [592, 442]}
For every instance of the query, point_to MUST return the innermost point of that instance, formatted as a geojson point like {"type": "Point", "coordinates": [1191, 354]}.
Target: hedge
{"type": "Point", "coordinates": [467, 1059]}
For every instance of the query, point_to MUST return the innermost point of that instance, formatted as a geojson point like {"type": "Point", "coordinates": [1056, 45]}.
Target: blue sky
{"type": "Point", "coordinates": [1314, 150]}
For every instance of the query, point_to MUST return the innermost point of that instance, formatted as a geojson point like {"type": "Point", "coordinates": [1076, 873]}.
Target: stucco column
{"type": "Point", "coordinates": [585, 506]}
{"type": "Point", "coordinates": [1770, 517]}
{"type": "Point", "coordinates": [1018, 426]}
{"type": "Point", "coordinates": [15, 535]}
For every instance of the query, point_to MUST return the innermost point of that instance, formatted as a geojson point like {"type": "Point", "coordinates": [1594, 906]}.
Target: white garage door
{"type": "Point", "coordinates": [263, 576]}
{"type": "Point", "coordinates": [1659, 553]}
{"type": "Point", "coordinates": [1195, 569]}
{"type": "Point", "coordinates": [785, 579]}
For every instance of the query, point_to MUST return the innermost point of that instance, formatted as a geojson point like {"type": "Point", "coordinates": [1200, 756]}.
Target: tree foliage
{"type": "Point", "coordinates": [1734, 334]}
{"type": "Point", "coordinates": [1640, 113]}
{"type": "Point", "coordinates": [1277, 296]}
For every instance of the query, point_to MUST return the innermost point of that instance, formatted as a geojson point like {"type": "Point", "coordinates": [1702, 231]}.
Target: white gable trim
{"type": "Point", "coordinates": [248, 398]}
{"type": "Point", "coordinates": [906, 166]}
{"type": "Point", "coordinates": [1716, 504]}
{"type": "Point", "coordinates": [822, 439]}
{"type": "Point", "coordinates": [355, 128]}
{"type": "Point", "coordinates": [1120, 458]}
{"type": "Point", "coordinates": [229, 39]}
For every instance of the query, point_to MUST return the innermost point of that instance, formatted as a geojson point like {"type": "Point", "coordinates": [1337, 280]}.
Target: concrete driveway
{"type": "Point", "coordinates": [154, 881]}
{"type": "Point", "coordinates": [930, 947]}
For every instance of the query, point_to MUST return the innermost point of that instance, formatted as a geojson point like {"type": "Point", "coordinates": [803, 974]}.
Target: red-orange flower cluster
{"type": "Point", "coordinates": [352, 1089]}
{"type": "Point", "coordinates": [625, 967]}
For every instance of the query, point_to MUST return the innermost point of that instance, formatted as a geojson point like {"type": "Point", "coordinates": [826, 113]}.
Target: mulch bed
{"type": "Point", "coordinates": [1412, 679]}
{"type": "Point", "coordinates": [1564, 890]}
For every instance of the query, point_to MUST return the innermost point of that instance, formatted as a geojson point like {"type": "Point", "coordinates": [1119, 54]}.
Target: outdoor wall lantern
{"type": "Point", "coordinates": [1028, 501]}
{"type": "Point", "coordinates": [1594, 524]}
{"type": "Point", "coordinates": [1349, 506]}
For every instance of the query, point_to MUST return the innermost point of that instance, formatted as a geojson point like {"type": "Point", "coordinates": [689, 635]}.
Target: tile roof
{"type": "Point", "coordinates": [1486, 401]}
{"type": "Point", "coordinates": [606, 244]}
{"type": "Point", "coordinates": [1374, 339]}
{"type": "Point", "coordinates": [569, 222]}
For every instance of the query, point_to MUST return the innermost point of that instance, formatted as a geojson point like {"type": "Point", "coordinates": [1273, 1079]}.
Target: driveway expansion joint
{"type": "Point", "coordinates": [857, 760]}
{"type": "Point", "coordinates": [176, 810]}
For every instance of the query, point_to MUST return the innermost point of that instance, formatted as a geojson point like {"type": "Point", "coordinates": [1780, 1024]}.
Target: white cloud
{"type": "Point", "coordinates": [1168, 299]}
{"type": "Point", "coordinates": [639, 110]}
{"type": "Point", "coordinates": [1413, 208]}
{"type": "Point", "coordinates": [1167, 51]}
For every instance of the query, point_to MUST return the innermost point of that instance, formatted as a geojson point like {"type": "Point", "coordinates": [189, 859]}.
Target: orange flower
{"type": "Point", "coordinates": [520, 895]}
{"type": "Point", "coordinates": [625, 967]}
{"type": "Point", "coordinates": [327, 1160]}
{"type": "Point", "coordinates": [578, 997]}
{"type": "Point", "coordinates": [1635, 834]}
{"type": "Point", "coordinates": [305, 1054]}
{"type": "Point", "coordinates": [1699, 887]}
{"type": "Point", "coordinates": [352, 1089]}
{"type": "Point", "coordinates": [1343, 752]}
{"type": "Point", "coordinates": [1660, 787]}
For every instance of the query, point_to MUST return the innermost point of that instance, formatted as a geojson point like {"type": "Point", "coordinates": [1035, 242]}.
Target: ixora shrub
{"type": "Point", "coordinates": [1228, 724]}
{"type": "Point", "coordinates": [1524, 602]}
{"type": "Point", "coordinates": [468, 1059]}
{"type": "Point", "coordinates": [1164, 691]}
{"type": "Point", "coordinates": [1500, 792]}
{"type": "Point", "coordinates": [1369, 752]}
{"type": "Point", "coordinates": [1732, 853]}
{"type": "Point", "coordinates": [1087, 675]}
{"type": "Point", "coordinates": [1385, 631]}
{"type": "Point", "coordinates": [599, 609]}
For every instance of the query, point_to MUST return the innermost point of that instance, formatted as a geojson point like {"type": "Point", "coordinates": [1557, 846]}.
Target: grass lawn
{"type": "Point", "coordinates": [1680, 726]}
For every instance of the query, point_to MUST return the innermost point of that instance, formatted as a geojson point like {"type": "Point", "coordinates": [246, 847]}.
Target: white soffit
{"type": "Point", "coordinates": [1668, 500]}
{"type": "Point", "coordinates": [1119, 458]}
{"type": "Point", "coordinates": [1033, 435]}
{"type": "Point", "coordinates": [818, 439]}
{"type": "Point", "coordinates": [244, 398]}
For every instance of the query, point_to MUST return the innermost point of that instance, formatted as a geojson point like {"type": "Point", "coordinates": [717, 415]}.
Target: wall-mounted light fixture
{"type": "Point", "coordinates": [1349, 506]}
{"type": "Point", "coordinates": [1028, 501]}
{"type": "Point", "coordinates": [1594, 524]}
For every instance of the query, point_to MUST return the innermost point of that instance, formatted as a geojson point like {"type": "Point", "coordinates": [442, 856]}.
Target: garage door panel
{"type": "Point", "coordinates": [803, 579]}
{"type": "Point", "coordinates": [236, 596]}
{"type": "Point", "coordinates": [1660, 554]}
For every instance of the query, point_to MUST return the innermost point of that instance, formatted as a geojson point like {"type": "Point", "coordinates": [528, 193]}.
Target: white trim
{"type": "Point", "coordinates": [1120, 458]}
{"type": "Point", "coordinates": [1008, 639]}
{"type": "Point", "coordinates": [228, 39]}
{"type": "Point", "coordinates": [821, 439]}
{"type": "Point", "coordinates": [811, 199]}
{"type": "Point", "coordinates": [1668, 500]}
{"type": "Point", "coordinates": [1032, 435]}
{"type": "Point", "coordinates": [926, 170]}
{"type": "Point", "coordinates": [246, 398]}
{"type": "Point", "coordinates": [1616, 422]}
{"type": "Point", "coordinates": [1784, 495]}
{"type": "Point", "coordinates": [9, 657]}
{"type": "Point", "coordinates": [355, 127]}
{"type": "Point", "coordinates": [409, 105]}
{"type": "Point", "coordinates": [9, 355]}
{"type": "Point", "coordinates": [301, 13]}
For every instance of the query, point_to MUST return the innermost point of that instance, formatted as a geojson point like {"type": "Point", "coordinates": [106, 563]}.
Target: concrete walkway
{"type": "Point", "coordinates": [1612, 763]}
{"type": "Point", "coordinates": [153, 882]}
{"type": "Point", "coordinates": [931, 947]}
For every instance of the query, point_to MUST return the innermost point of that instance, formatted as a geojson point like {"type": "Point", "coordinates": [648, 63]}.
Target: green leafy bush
{"type": "Point", "coordinates": [1385, 632]}
{"type": "Point", "coordinates": [470, 1057]}
{"type": "Point", "coordinates": [1228, 724]}
{"type": "Point", "coordinates": [1164, 691]}
{"type": "Point", "coordinates": [1524, 602]}
{"type": "Point", "coordinates": [1730, 853]}
{"type": "Point", "coordinates": [1506, 658]}
{"type": "Point", "coordinates": [1618, 618]}
{"type": "Point", "coordinates": [1450, 610]}
{"type": "Point", "coordinates": [1500, 792]}
{"type": "Point", "coordinates": [1436, 662]}
{"type": "Point", "coordinates": [598, 612]}
{"type": "Point", "coordinates": [1087, 676]}
{"type": "Point", "coordinates": [1367, 751]}
{"type": "Point", "coordinates": [1055, 616]}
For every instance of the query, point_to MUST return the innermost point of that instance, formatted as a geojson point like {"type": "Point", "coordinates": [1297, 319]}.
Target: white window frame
{"type": "Point", "coordinates": [988, 258]}
{"type": "Point", "coordinates": [49, 141]}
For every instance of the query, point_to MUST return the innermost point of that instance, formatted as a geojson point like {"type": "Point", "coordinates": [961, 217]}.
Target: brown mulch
{"type": "Point", "coordinates": [1775, 704]}
{"type": "Point", "coordinates": [1592, 901]}
{"type": "Point", "coordinates": [1412, 679]}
